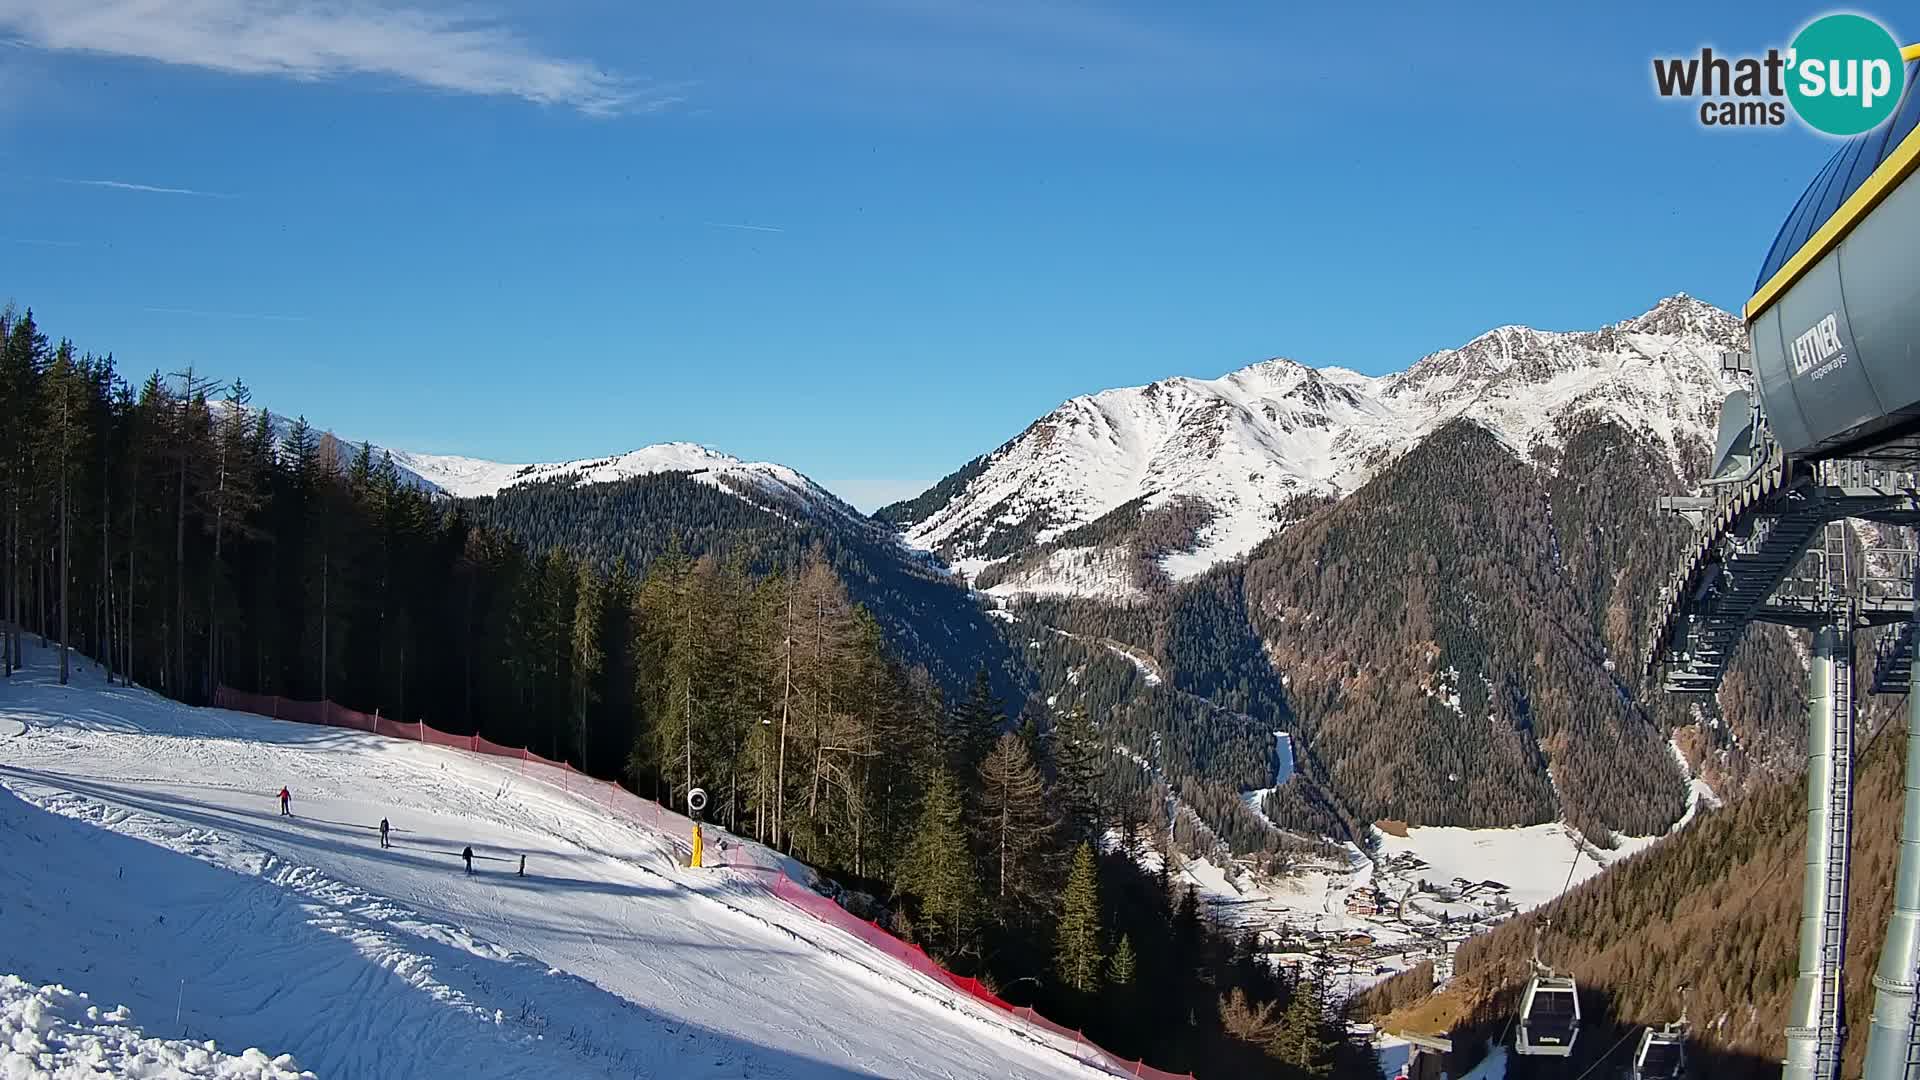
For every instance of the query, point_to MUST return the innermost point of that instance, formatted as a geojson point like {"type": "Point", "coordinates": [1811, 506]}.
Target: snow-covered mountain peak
{"type": "Point", "coordinates": [1244, 445]}
{"type": "Point", "coordinates": [760, 482]}
{"type": "Point", "coordinates": [1681, 315]}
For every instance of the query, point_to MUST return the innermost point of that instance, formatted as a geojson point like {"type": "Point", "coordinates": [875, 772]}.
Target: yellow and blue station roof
{"type": "Point", "coordinates": [1857, 178]}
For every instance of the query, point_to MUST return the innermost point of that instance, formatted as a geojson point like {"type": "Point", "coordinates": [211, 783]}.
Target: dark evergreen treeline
{"type": "Point", "coordinates": [911, 510]}
{"type": "Point", "coordinates": [928, 618]}
{"type": "Point", "coordinates": [171, 535]}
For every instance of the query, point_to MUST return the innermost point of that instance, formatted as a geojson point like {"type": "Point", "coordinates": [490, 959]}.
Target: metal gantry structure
{"type": "Point", "coordinates": [1814, 545]}
{"type": "Point", "coordinates": [1807, 520]}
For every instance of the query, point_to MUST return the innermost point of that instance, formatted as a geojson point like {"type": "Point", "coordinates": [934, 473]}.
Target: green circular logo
{"type": "Point", "coordinates": [1845, 74]}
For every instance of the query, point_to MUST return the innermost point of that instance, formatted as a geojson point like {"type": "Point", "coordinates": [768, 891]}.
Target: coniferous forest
{"type": "Point", "coordinates": [167, 531]}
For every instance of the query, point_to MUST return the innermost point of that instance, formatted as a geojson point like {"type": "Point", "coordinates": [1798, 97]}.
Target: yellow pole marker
{"type": "Point", "coordinates": [695, 860]}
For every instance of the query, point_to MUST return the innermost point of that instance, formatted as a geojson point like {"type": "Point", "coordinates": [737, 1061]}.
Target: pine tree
{"type": "Point", "coordinates": [588, 658]}
{"type": "Point", "coordinates": [1077, 955]}
{"type": "Point", "coordinates": [22, 356]}
{"type": "Point", "coordinates": [1302, 1040]}
{"type": "Point", "coordinates": [1014, 827]}
{"type": "Point", "coordinates": [1121, 968]}
{"type": "Point", "coordinates": [1078, 763]}
{"type": "Point", "coordinates": [939, 866]}
{"type": "Point", "coordinates": [617, 724]}
{"type": "Point", "coordinates": [1029, 731]}
{"type": "Point", "coordinates": [234, 498]}
{"type": "Point", "coordinates": [975, 726]}
{"type": "Point", "coordinates": [62, 428]}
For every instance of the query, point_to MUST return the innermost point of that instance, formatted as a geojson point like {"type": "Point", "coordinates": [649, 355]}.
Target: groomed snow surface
{"type": "Point", "coordinates": [143, 861]}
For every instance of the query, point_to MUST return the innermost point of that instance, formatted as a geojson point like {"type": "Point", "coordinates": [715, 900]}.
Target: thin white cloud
{"type": "Point", "coordinates": [43, 243]}
{"type": "Point", "coordinates": [123, 185]}
{"type": "Point", "coordinates": [746, 228]}
{"type": "Point", "coordinates": [225, 314]}
{"type": "Point", "coordinates": [443, 50]}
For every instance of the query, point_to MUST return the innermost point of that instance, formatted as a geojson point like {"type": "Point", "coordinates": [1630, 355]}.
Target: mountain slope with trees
{"type": "Point", "coordinates": [184, 546]}
{"type": "Point", "coordinates": [1459, 642]}
{"type": "Point", "coordinates": [1442, 661]}
{"type": "Point", "coordinates": [929, 618]}
{"type": "Point", "coordinates": [1715, 910]}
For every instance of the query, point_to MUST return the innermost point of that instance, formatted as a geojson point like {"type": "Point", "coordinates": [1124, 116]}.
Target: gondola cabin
{"type": "Point", "coordinates": [1662, 1055]}
{"type": "Point", "coordinates": [1549, 1017]}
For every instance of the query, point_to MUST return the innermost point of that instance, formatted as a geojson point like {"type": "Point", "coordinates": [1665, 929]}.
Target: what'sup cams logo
{"type": "Point", "coordinates": [1842, 75]}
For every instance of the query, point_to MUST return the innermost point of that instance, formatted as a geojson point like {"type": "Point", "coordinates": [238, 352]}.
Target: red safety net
{"type": "Point", "coordinates": [395, 730]}
{"type": "Point", "coordinates": [494, 749]}
{"type": "Point", "coordinates": [339, 716]}
{"type": "Point", "coordinates": [435, 737]}
{"type": "Point", "coordinates": [781, 883]}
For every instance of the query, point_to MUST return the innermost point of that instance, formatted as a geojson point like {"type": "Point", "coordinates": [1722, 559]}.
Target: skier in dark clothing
{"type": "Point", "coordinates": [383, 833]}
{"type": "Point", "coordinates": [284, 796]}
{"type": "Point", "coordinates": [468, 855]}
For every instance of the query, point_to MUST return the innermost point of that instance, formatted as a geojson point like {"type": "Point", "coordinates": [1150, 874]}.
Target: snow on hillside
{"type": "Point", "coordinates": [465, 477]}
{"type": "Point", "coordinates": [1435, 885]}
{"type": "Point", "coordinates": [1246, 442]}
{"type": "Point", "coordinates": [763, 483]}
{"type": "Point", "coordinates": [52, 1031]}
{"type": "Point", "coordinates": [1534, 862]}
{"type": "Point", "coordinates": [143, 860]}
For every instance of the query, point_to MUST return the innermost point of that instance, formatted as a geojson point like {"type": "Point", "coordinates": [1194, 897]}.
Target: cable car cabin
{"type": "Point", "coordinates": [1662, 1056]}
{"type": "Point", "coordinates": [1549, 1017]}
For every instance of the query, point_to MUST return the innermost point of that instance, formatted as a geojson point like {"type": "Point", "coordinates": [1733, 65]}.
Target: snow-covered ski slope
{"type": "Point", "coordinates": [143, 861]}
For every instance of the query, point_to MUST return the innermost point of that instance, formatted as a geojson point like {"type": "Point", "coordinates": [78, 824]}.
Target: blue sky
{"type": "Point", "coordinates": [867, 238]}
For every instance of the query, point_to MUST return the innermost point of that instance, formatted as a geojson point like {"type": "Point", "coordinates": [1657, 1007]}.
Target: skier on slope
{"type": "Point", "coordinates": [383, 833]}
{"type": "Point", "coordinates": [468, 855]}
{"type": "Point", "coordinates": [284, 796]}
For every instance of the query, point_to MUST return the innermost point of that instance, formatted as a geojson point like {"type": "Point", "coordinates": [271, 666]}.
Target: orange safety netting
{"type": "Point", "coordinates": [783, 885]}
{"type": "Point", "coordinates": [441, 738]}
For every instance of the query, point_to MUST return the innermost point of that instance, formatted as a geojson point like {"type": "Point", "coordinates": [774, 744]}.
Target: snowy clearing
{"type": "Point", "coordinates": [143, 860]}
{"type": "Point", "coordinates": [1534, 861]}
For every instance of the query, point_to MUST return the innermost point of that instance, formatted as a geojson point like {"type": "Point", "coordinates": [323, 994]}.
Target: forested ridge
{"type": "Point", "coordinates": [1441, 662]}
{"type": "Point", "coordinates": [929, 619]}
{"type": "Point", "coordinates": [1460, 642]}
{"type": "Point", "coordinates": [165, 533]}
{"type": "Point", "coordinates": [1714, 909]}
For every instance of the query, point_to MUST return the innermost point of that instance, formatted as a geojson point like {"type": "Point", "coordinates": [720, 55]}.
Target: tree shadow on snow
{"type": "Point", "coordinates": [248, 963]}
{"type": "Point", "coordinates": [268, 829]}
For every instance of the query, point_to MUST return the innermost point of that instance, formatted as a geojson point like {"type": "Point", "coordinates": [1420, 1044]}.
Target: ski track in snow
{"type": "Point", "coordinates": [143, 859]}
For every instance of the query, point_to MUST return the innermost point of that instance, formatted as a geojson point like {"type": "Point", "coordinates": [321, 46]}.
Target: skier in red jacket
{"type": "Point", "coordinates": [284, 796]}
